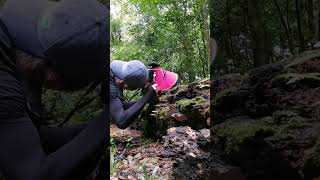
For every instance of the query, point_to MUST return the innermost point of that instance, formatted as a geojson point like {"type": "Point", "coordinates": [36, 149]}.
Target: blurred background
{"type": "Point", "coordinates": [252, 33]}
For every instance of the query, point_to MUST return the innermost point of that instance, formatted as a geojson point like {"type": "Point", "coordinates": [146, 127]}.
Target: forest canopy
{"type": "Point", "coordinates": [172, 33]}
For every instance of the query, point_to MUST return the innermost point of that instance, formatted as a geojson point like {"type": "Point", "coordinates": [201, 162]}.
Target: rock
{"type": "Point", "coordinates": [205, 133]}
{"type": "Point", "coordinates": [192, 168]}
{"type": "Point", "coordinates": [137, 156]}
{"type": "Point", "coordinates": [185, 105]}
{"type": "Point", "coordinates": [229, 173]}
{"type": "Point", "coordinates": [182, 141]}
{"type": "Point", "coordinates": [179, 116]}
{"type": "Point", "coordinates": [192, 155]}
{"type": "Point", "coordinates": [181, 144]}
{"type": "Point", "coordinates": [316, 45]}
{"type": "Point", "coordinates": [131, 178]}
{"type": "Point", "coordinates": [268, 125]}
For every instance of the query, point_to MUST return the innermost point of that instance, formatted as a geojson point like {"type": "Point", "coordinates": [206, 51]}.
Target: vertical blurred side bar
{"type": "Point", "coordinates": [212, 57]}
{"type": "Point", "coordinates": [103, 171]}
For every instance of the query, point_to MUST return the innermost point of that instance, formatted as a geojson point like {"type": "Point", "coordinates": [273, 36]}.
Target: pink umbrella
{"type": "Point", "coordinates": [165, 79]}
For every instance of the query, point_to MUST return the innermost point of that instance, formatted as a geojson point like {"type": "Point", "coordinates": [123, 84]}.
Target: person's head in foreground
{"type": "Point", "coordinates": [67, 41]}
{"type": "Point", "coordinates": [129, 75]}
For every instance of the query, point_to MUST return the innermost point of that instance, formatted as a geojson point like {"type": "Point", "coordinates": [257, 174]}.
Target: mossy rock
{"type": "Point", "coordinates": [288, 118]}
{"type": "Point", "coordinates": [301, 58]}
{"type": "Point", "coordinates": [238, 133]}
{"type": "Point", "coordinates": [185, 104]}
{"type": "Point", "coordinates": [269, 124]}
{"type": "Point", "coordinates": [188, 101]}
{"type": "Point", "coordinates": [229, 103]}
{"type": "Point", "coordinates": [281, 126]}
{"type": "Point", "coordinates": [293, 80]}
{"type": "Point", "coordinates": [162, 113]}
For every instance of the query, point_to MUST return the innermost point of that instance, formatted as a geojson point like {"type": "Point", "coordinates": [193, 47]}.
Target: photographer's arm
{"type": "Point", "coordinates": [127, 105]}
{"type": "Point", "coordinates": [123, 117]}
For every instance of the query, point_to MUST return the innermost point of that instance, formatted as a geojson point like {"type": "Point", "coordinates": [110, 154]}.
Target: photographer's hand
{"type": "Point", "coordinates": [153, 89]}
{"type": "Point", "coordinates": [123, 117]}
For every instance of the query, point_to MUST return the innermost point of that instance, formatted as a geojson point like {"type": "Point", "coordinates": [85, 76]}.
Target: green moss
{"type": "Point", "coordinates": [282, 125]}
{"type": "Point", "coordinates": [295, 123]}
{"type": "Point", "coordinates": [278, 114]}
{"type": "Point", "coordinates": [283, 116]}
{"type": "Point", "coordinates": [237, 134]}
{"type": "Point", "coordinates": [185, 103]}
{"type": "Point", "coordinates": [162, 112]}
{"type": "Point", "coordinates": [289, 119]}
{"type": "Point", "coordinates": [268, 120]}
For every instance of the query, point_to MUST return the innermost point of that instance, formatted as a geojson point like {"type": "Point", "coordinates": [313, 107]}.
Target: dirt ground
{"type": "Point", "coordinates": [137, 157]}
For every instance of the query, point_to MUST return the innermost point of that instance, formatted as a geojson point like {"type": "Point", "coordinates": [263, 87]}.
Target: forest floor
{"type": "Point", "coordinates": [134, 156]}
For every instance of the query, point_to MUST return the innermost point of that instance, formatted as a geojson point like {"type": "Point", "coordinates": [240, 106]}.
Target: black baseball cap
{"type": "Point", "coordinates": [73, 35]}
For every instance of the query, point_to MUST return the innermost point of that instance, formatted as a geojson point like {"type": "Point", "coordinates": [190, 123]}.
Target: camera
{"type": "Point", "coordinates": [151, 72]}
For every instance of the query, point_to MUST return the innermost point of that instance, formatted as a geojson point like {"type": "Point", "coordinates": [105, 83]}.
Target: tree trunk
{"type": "Point", "coordinates": [284, 25]}
{"type": "Point", "coordinates": [317, 19]}
{"type": "Point", "coordinates": [298, 17]}
{"type": "Point", "coordinates": [319, 25]}
{"type": "Point", "coordinates": [230, 66]}
{"type": "Point", "coordinates": [205, 29]}
{"type": "Point", "coordinates": [259, 45]}
{"type": "Point", "coordinates": [121, 34]}
{"type": "Point", "coordinates": [311, 18]}
{"type": "Point", "coordinates": [288, 23]}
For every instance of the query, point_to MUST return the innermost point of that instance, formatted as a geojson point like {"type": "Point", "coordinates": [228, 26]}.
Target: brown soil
{"type": "Point", "coordinates": [161, 159]}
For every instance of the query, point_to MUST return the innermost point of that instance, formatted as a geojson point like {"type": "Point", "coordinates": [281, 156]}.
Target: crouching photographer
{"type": "Point", "coordinates": [130, 75]}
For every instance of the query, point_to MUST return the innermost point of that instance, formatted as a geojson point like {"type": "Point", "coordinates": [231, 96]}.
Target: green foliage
{"type": "Point", "coordinates": [115, 31]}
{"type": "Point", "coordinates": [171, 33]}
{"type": "Point", "coordinates": [129, 142]}
{"type": "Point", "coordinates": [113, 161]}
{"type": "Point", "coordinates": [146, 175]}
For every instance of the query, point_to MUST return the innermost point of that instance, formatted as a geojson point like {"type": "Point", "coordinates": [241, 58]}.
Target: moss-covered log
{"type": "Point", "coordinates": [269, 124]}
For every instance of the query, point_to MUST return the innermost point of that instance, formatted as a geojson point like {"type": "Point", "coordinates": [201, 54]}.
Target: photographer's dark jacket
{"type": "Point", "coordinates": [123, 113]}
{"type": "Point", "coordinates": [115, 91]}
{"type": "Point", "coordinates": [12, 99]}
